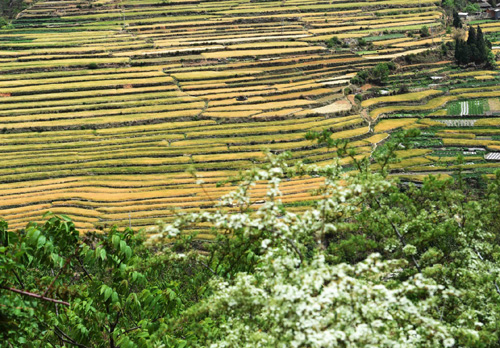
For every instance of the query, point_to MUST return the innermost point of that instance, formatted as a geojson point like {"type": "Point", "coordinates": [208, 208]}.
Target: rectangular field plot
{"type": "Point", "coordinates": [468, 107]}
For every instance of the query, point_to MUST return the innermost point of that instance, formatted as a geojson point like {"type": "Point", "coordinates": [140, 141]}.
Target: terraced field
{"type": "Point", "coordinates": [105, 104]}
{"type": "Point", "coordinates": [458, 114]}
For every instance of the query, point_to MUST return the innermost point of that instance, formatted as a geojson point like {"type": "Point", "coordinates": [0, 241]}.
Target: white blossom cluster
{"type": "Point", "coordinates": [291, 301]}
{"type": "Point", "coordinates": [318, 305]}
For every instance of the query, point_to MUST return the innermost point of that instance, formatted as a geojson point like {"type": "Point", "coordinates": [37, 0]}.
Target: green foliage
{"type": "Point", "coordinates": [424, 31]}
{"type": "Point", "coordinates": [442, 233]}
{"type": "Point", "coordinates": [58, 288]}
{"type": "Point", "coordinates": [472, 8]}
{"type": "Point", "coordinates": [333, 42]}
{"type": "Point", "coordinates": [455, 4]}
{"type": "Point", "coordinates": [378, 74]}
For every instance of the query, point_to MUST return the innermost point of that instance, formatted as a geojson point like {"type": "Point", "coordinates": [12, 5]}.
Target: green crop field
{"type": "Point", "coordinates": [104, 105]}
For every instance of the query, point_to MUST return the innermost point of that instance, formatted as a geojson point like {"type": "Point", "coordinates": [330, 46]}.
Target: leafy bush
{"type": "Point", "coordinates": [424, 31]}
{"type": "Point", "coordinates": [333, 42]}
{"type": "Point", "coordinates": [378, 74]}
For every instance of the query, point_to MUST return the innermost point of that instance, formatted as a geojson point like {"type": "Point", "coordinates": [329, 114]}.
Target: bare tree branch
{"type": "Point", "coordinates": [30, 294]}
{"type": "Point", "coordinates": [67, 339]}
{"type": "Point", "coordinates": [207, 267]}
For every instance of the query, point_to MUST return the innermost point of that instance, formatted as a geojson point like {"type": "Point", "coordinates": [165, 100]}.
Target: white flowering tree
{"type": "Point", "coordinates": [287, 294]}
{"type": "Point", "coordinates": [371, 263]}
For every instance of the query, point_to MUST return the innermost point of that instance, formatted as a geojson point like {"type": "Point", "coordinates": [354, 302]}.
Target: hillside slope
{"type": "Point", "coordinates": [105, 104]}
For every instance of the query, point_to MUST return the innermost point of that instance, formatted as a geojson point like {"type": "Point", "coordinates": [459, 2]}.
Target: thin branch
{"type": "Point", "coordinates": [129, 330]}
{"type": "Point", "coordinates": [293, 245]}
{"type": "Point", "coordinates": [401, 238]}
{"type": "Point", "coordinates": [70, 342]}
{"type": "Point", "coordinates": [84, 269]}
{"type": "Point", "coordinates": [112, 329]}
{"type": "Point", "coordinates": [290, 241]}
{"type": "Point", "coordinates": [57, 276]}
{"type": "Point", "coordinates": [113, 326]}
{"type": "Point", "coordinates": [206, 194]}
{"type": "Point", "coordinates": [18, 279]}
{"type": "Point", "coordinates": [207, 267]}
{"type": "Point", "coordinates": [67, 339]}
{"type": "Point", "coordinates": [497, 288]}
{"type": "Point", "coordinates": [55, 304]}
{"type": "Point", "coordinates": [30, 294]}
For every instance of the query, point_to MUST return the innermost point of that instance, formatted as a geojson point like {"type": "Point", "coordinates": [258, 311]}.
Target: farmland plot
{"type": "Point", "coordinates": [465, 108]}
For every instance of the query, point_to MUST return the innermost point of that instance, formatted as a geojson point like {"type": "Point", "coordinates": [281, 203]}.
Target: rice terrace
{"type": "Point", "coordinates": [105, 104]}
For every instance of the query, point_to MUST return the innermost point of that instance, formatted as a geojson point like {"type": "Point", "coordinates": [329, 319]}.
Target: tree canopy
{"type": "Point", "coordinates": [476, 49]}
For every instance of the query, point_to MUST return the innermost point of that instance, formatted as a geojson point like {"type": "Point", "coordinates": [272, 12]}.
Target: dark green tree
{"type": "Point", "coordinates": [334, 41]}
{"type": "Point", "coordinates": [475, 50]}
{"type": "Point", "coordinates": [457, 22]}
{"type": "Point", "coordinates": [459, 51]}
{"type": "Point", "coordinates": [424, 31]}
{"type": "Point", "coordinates": [481, 45]}
{"type": "Point", "coordinates": [472, 38]}
{"type": "Point", "coordinates": [378, 74]}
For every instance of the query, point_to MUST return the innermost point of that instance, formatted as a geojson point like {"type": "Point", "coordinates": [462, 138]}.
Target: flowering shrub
{"type": "Point", "coordinates": [319, 305]}
{"type": "Point", "coordinates": [293, 297]}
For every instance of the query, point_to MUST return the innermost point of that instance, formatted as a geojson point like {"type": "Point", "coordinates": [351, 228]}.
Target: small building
{"type": "Point", "coordinates": [463, 15]}
{"type": "Point", "coordinates": [484, 5]}
{"type": "Point", "coordinates": [494, 14]}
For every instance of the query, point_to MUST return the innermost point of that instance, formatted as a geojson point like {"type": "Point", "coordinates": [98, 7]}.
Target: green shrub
{"type": "Point", "coordinates": [333, 42]}
{"type": "Point", "coordinates": [424, 31]}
